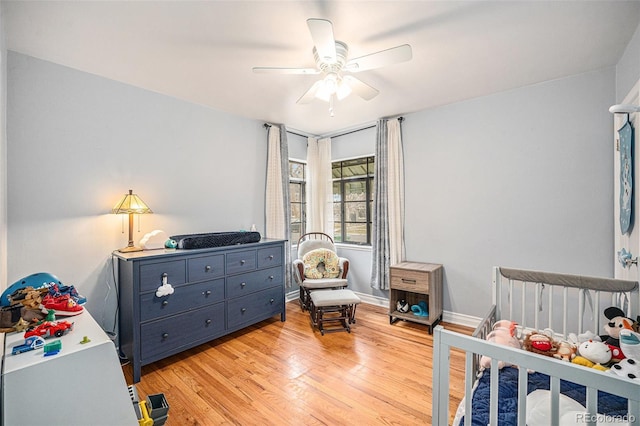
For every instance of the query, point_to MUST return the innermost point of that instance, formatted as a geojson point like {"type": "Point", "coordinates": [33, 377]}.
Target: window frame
{"type": "Point", "coordinates": [303, 201]}
{"type": "Point", "coordinates": [369, 181]}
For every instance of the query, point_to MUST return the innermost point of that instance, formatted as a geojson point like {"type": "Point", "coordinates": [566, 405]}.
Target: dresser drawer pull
{"type": "Point", "coordinates": [242, 262]}
{"type": "Point", "coordinates": [271, 277]}
{"type": "Point", "coordinates": [243, 310]}
{"type": "Point", "coordinates": [165, 335]}
{"type": "Point", "coordinates": [406, 281]}
{"type": "Point", "coordinates": [207, 293]}
{"type": "Point", "coordinates": [271, 301]}
{"type": "Point", "coordinates": [242, 285]}
{"type": "Point", "coordinates": [207, 268]}
{"type": "Point", "coordinates": [270, 257]}
{"type": "Point", "coordinates": [207, 322]}
{"type": "Point", "coordinates": [165, 302]}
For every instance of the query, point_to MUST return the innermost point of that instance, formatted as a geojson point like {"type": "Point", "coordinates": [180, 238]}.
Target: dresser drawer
{"type": "Point", "coordinates": [416, 281]}
{"type": "Point", "coordinates": [206, 267]}
{"type": "Point", "coordinates": [262, 304]}
{"type": "Point", "coordinates": [172, 333]}
{"type": "Point", "coordinates": [151, 274]}
{"type": "Point", "coordinates": [240, 285]}
{"type": "Point", "coordinates": [270, 256]}
{"type": "Point", "coordinates": [241, 261]}
{"type": "Point", "coordinates": [184, 298]}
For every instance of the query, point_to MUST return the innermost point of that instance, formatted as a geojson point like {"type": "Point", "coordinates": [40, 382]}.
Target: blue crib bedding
{"type": "Point", "coordinates": [608, 404]}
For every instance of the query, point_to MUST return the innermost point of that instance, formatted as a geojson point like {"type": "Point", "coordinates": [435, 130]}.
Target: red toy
{"type": "Point", "coordinates": [49, 329]}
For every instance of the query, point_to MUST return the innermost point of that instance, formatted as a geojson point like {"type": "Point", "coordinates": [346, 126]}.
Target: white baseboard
{"type": "Point", "coordinates": [450, 317]}
{"type": "Point", "coordinates": [461, 319]}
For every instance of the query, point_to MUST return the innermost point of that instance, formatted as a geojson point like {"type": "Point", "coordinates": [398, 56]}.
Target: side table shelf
{"type": "Point", "coordinates": [415, 282]}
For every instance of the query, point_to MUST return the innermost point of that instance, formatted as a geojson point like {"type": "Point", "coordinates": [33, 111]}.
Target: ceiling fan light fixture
{"type": "Point", "coordinates": [343, 90]}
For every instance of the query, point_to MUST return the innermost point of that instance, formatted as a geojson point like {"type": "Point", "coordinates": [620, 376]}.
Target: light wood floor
{"type": "Point", "coordinates": [286, 373]}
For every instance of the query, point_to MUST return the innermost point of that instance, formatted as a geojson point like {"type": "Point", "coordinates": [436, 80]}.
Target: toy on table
{"type": "Point", "coordinates": [420, 309]}
{"type": "Point", "coordinates": [50, 329]}
{"type": "Point", "coordinates": [52, 348]}
{"type": "Point", "coordinates": [30, 343]}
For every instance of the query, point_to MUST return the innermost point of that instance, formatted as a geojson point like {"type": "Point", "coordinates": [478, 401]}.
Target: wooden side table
{"type": "Point", "coordinates": [416, 282]}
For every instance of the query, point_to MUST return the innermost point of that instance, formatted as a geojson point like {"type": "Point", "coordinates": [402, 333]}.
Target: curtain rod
{"type": "Point", "coordinates": [400, 119]}
{"type": "Point", "coordinates": [267, 125]}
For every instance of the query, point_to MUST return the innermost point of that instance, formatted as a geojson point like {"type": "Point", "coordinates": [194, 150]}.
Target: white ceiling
{"type": "Point", "coordinates": [204, 51]}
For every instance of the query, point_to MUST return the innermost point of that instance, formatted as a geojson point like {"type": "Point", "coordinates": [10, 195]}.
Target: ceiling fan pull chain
{"type": "Point", "coordinates": [331, 105]}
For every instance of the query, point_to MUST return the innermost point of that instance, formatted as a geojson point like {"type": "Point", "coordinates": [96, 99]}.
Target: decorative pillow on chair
{"type": "Point", "coordinates": [321, 263]}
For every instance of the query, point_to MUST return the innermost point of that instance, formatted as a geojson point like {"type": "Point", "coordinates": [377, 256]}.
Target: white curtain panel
{"type": "Point", "coordinates": [274, 197]}
{"type": "Point", "coordinates": [395, 192]}
{"type": "Point", "coordinates": [319, 187]}
{"type": "Point", "coordinates": [277, 206]}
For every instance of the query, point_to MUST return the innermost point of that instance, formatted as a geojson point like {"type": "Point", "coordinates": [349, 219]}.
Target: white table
{"type": "Point", "coordinates": [83, 384]}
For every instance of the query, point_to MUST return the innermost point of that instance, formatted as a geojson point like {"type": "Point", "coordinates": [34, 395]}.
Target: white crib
{"type": "Point", "coordinates": [537, 300]}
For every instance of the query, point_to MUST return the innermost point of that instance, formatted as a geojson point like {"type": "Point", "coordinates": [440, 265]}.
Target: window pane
{"type": "Point", "coordinates": [337, 232]}
{"type": "Point", "coordinates": [337, 213]}
{"type": "Point", "coordinates": [355, 212]}
{"type": "Point", "coordinates": [295, 192]}
{"type": "Point", "coordinates": [372, 166]}
{"type": "Point", "coordinates": [353, 168]}
{"type": "Point", "coordinates": [336, 170]}
{"type": "Point", "coordinates": [296, 170]}
{"type": "Point", "coordinates": [296, 232]}
{"type": "Point", "coordinates": [356, 233]}
{"type": "Point", "coordinates": [371, 188]}
{"type": "Point", "coordinates": [296, 215]}
{"type": "Point", "coordinates": [337, 194]}
{"type": "Point", "coordinates": [355, 191]}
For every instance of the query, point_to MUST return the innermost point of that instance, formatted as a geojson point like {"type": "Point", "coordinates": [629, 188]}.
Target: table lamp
{"type": "Point", "coordinates": [130, 204]}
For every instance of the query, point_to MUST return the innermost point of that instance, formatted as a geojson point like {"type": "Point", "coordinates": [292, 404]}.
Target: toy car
{"type": "Point", "coordinates": [49, 329]}
{"type": "Point", "coordinates": [30, 343]}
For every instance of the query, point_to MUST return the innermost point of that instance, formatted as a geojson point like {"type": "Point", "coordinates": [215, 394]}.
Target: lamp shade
{"type": "Point", "coordinates": [131, 203]}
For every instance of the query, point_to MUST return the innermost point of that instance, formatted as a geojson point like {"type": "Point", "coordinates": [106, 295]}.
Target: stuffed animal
{"type": "Point", "coordinates": [630, 343]}
{"type": "Point", "coordinates": [593, 354]}
{"type": "Point", "coordinates": [503, 333]}
{"type": "Point", "coordinates": [566, 351]}
{"type": "Point", "coordinates": [617, 322]}
{"type": "Point", "coordinates": [540, 343]}
{"type": "Point", "coordinates": [628, 367]}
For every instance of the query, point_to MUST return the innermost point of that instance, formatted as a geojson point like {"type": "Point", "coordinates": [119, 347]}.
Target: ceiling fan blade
{"type": "Point", "coordinates": [277, 70]}
{"type": "Point", "coordinates": [361, 89]}
{"type": "Point", "coordinates": [322, 35]}
{"type": "Point", "coordinates": [380, 59]}
{"type": "Point", "coordinates": [310, 94]}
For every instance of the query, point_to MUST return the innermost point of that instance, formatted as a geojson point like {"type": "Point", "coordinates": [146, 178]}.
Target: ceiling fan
{"type": "Point", "coordinates": [332, 62]}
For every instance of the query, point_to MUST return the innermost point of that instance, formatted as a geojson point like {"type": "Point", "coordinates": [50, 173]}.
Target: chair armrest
{"type": "Point", "coordinates": [344, 266]}
{"type": "Point", "coordinates": [298, 271]}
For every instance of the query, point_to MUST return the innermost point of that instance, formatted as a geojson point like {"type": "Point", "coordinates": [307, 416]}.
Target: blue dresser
{"type": "Point", "coordinates": [216, 291]}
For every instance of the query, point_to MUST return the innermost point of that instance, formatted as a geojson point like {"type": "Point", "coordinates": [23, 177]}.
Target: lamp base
{"type": "Point", "coordinates": [129, 249]}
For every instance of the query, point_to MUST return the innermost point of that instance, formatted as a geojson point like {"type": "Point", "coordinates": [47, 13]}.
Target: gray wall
{"type": "Point", "coordinates": [78, 142]}
{"type": "Point", "coordinates": [521, 178]}
{"type": "Point", "coordinates": [628, 67]}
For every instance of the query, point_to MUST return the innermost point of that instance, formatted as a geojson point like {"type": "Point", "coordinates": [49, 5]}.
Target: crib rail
{"type": "Point", "coordinates": [593, 380]}
{"type": "Point", "coordinates": [538, 300]}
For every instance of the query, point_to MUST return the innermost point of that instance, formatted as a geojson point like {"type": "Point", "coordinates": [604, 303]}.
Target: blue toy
{"type": "Point", "coordinates": [420, 309]}
{"type": "Point", "coordinates": [34, 280]}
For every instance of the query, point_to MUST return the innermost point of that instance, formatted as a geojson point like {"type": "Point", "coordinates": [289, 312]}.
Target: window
{"type": "Point", "coordinates": [353, 200]}
{"type": "Point", "coordinates": [297, 199]}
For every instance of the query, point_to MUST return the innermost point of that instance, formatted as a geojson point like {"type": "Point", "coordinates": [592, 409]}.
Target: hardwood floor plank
{"type": "Point", "coordinates": [287, 373]}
